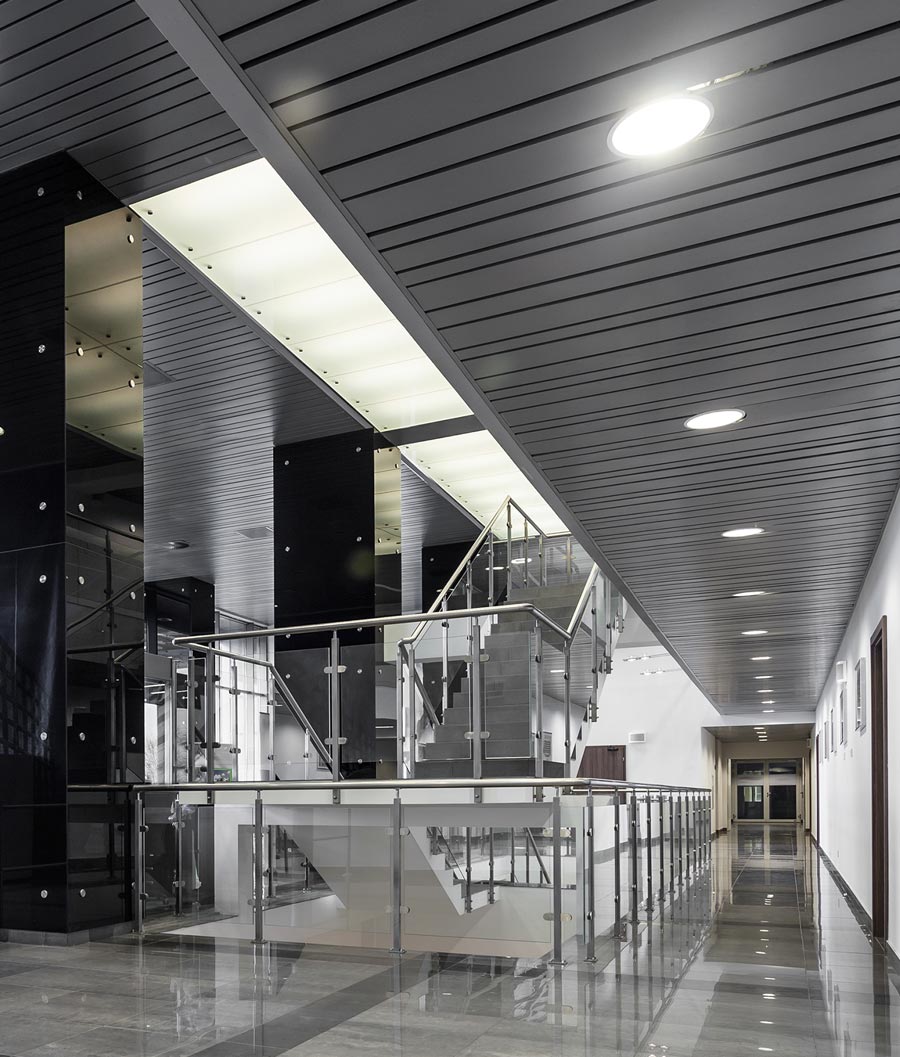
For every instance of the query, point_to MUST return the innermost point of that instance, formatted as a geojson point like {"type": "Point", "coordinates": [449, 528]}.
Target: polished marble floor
{"type": "Point", "coordinates": [759, 954]}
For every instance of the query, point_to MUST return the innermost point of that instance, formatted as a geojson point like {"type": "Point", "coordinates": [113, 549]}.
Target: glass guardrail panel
{"type": "Point", "coordinates": [307, 682]}
{"type": "Point", "coordinates": [474, 888]}
{"type": "Point", "coordinates": [99, 864]}
{"type": "Point", "coordinates": [345, 895]}
{"type": "Point", "coordinates": [508, 680]}
{"type": "Point", "coordinates": [552, 675]}
{"type": "Point", "coordinates": [441, 685]}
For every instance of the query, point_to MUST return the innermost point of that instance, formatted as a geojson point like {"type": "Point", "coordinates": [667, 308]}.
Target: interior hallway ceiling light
{"type": "Point", "coordinates": [763, 677]}
{"type": "Point", "coordinates": [660, 126]}
{"type": "Point", "coordinates": [250, 236]}
{"type": "Point", "coordinates": [769, 701]}
{"type": "Point", "coordinates": [755, 631]}
{"type": "Point", "coordinates": [716, 419]}
{"type": "Point", "coordinates": [749, 594]}
{"type": "Point", "coordinates": [742, 533]}
{"type": "Point", "coordinates": [767, 710]}
{"type": "Point", "coordinates": [765, 658]}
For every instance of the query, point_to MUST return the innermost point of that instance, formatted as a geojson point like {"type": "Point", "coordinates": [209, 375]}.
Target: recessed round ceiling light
{"type": "Point", "coordinates": [716, 419]}
{"type": "Point", "coordinates": [660, 126]}
{"type": "Point", "coordinates": [742, 533]}
{"type": "Point", "coordinates": [748, 594]}
{"type": "Point", "coordinates": [755, 631]}
{"type": "Point", "coordinates": [766, 658]}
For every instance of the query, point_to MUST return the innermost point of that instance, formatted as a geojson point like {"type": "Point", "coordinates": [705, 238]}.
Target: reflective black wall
{"type": "Point", "coordinates": [63, 860]}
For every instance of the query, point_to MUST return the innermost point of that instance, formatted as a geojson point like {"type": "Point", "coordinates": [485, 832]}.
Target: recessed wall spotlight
{"type": "Point", "coordinates": [131, 383]}
{"type": "Point", "coordinates": [79, 350]}
{"type": "Point", "coordinates": [129, 238]}
{"type": "Point", "coordinates": [660, 126]}
{"type": "Point", "coordinates": [716, 419]}
{"type": "Point", "coordinates": [742, 533]}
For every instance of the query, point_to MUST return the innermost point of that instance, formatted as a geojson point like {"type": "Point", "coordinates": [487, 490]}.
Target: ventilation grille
{"type": "Point", "coordinates": [636, 737]}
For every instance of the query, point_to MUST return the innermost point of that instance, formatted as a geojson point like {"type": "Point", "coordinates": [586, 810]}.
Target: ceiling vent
{"type": "Point", "coordinates": [256, 532]}
{"type": "Point", "coordinates": [637, 737]}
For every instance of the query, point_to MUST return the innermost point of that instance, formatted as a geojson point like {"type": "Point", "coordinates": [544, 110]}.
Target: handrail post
{"type": "Point", "coordinates": [617, 867]}
{"type": "Point", "coordinates": [680, 839]}
{"type": "Point", "coordinates": [334, 687]}
{"type": "Point", "coordinates": [589, 894]}
{"type": "Point", "coordinates": [259, 899]}
{"type": "Point", "coordinates": [209, 708]}
{"type": "Point", "coordinates": [468, 895]}
{"type": "Point", "coordinates": [401, 680]}
{"type": "Point", "coordinates": [672, 845]}
{"type": "Point", "coordinates": [491, 891]}
{"type": "Point", "coordinates": [490, 570]}
{"type": "Point", "coordinates": [538, 700]}
{"type": "Point", "coordinates": [567, 704]}
{"type": "Point", "coordinates": [178, 881]}
{"type": "Point", "coordinates": [649, 852]}
{"type": "Point", "coordinates": [696, 831]}
{"type": "Point", "coordinates": [412, 716]}
{"type": "Point", "coordinates": [508, 548]}
{"type": "Point", "coordinates": [512, 854]}
{"type": "Point", "coordinates": [525, 552]}
{"type": "Point", "coordinates": [397, 907]}
{"type": "Point", "coordinates": [477, 720]}
{"type": "Point", "coordinates": [633, 836]}
{"type": "Point", "coordinates": [140, 851]}
{"type": "Point", "coordinates": [662, 853]}
{"type": "Point", "coordinates": [557, 881]}
{"type": "Point", "coordinates": [445, 664]}
{"type": "Point", "coordinates": [595, 658]}
{"type": "Point", "coordinates": [542, 562]}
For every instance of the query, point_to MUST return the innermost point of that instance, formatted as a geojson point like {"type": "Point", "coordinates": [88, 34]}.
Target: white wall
{"type": "Point", "coordinates": [670, 710]}
{"type": "Point", "coordinates": [845, 776]}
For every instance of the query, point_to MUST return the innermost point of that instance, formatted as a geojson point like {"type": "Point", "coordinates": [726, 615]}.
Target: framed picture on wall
{"type": "Point", "coordinates": [860, 701]}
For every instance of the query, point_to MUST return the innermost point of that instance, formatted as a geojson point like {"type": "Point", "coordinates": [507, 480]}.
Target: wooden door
{"type": "Point", "coordinates": [879, 683]}
{"type": "Point", "coordinates": [603, 761]}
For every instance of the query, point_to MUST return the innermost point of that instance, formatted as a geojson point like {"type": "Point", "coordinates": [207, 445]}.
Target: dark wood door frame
{"type": "Point", "coordinates": [879, 719]}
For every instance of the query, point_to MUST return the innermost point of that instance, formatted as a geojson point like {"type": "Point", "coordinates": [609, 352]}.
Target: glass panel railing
{"type": "Point", "coordinates": [508, 672]}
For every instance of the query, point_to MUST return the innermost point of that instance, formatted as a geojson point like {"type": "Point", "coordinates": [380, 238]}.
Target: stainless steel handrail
{"type": "Point", "coordinates": [197, 641]}
{"type": "Point", "coordinates": [394, 784]}
{"type": "Point", "coordinates": [574, 623]}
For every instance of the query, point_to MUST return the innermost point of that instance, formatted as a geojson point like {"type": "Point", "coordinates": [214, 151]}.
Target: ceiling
{"type": "Point", "coordinates": [97, 79]}
{"type": "Point", "coordinates": [589, 304]}
{"type": "Point", "coordinates": [774, 732]}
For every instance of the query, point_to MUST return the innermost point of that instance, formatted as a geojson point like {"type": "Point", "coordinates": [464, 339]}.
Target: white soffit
{"type": "Point", "coordinates": [254, 240]}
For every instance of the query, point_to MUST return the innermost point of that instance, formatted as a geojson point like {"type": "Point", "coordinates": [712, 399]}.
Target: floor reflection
{"type": "Point", "coordinates": [760, 954]}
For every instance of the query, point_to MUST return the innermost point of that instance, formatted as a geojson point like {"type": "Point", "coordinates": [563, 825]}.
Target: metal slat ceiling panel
{"type": "Point", "coordinates": [599, 301]}
{"type": "Point", "coordinates": [97, 79]}
{"type": "Point", "coordinates": [217, 399]}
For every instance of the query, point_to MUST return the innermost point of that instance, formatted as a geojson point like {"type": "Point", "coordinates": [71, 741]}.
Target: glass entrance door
{"type": "Point", "coordinates": [766, 790]}
{"type": "Point", "coordinates": [750, 804]}
{"type": "Point", "coordinates": [783, 803]}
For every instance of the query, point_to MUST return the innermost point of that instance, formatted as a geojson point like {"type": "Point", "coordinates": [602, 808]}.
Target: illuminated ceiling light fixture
{"type": "Point", "coordinates": [716, 419]}
{"type": "Point", "coordinates": [748, 594]}
{"type": "Point", "coordinates": [763, 677]}
{"type": "Point", "coordinates": [742, 533]}
{"type": "Point", "coordinates": [767, 710]}
{"type": "Point", "coordinates": [765, 658]}
{"type": "Point", "coordinates": [768, 701]}
{"type": "Point", "coordinates": [660, 126]}
{"type": "Point", "coordinates": [755, 631]}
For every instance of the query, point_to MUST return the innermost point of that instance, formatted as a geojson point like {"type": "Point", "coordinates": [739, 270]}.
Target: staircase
{"type": "Point", "coordinates": [509, 693]}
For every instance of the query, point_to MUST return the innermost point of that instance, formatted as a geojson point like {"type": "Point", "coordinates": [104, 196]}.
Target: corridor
{"type": "Point", "coordinates": [763, 954]}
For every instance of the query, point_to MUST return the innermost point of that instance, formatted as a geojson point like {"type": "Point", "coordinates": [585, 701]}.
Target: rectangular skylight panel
{"type": "Point", "coordinates": [286, 263]}
{"type": "Point", "coordinates": [231, 208]}
{"type": "Point", "coordinates": [415, 408]}
{"type": "Point", "coordinates": [329, 309]}
{"type": "Point", "coordinates": [352, 350]}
